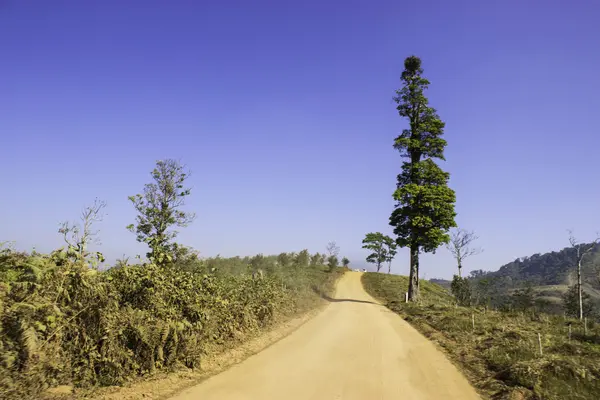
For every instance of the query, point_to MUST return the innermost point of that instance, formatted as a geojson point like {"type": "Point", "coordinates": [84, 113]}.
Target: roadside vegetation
{"type": "Point", "coordinates": [66, 322]}
{"type": "Point", "coordinates": [519, 354]}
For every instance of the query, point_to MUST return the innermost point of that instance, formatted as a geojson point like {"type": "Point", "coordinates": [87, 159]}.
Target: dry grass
{"type": "Point", "coordinates": [500, 355]}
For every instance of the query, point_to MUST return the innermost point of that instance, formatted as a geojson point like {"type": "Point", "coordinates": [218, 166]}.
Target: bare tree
{"type": "Point", "coordinates": [581, 250]}
{"type": "Point", "coordinates": [333, 249]}
{"type": "Point", "coordinates": [460, 246]}
{"type": "Point", "coordinates": [79, 236]}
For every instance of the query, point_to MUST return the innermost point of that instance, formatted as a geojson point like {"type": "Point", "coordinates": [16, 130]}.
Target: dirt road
{"type": "Point", "coordinates": [355, 349]}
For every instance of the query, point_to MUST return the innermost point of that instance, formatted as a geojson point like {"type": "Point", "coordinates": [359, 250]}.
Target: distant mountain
{"type": "Point", "coordinates": [549, 275]}
{"type": "Point", "coordinates": [554, 268]}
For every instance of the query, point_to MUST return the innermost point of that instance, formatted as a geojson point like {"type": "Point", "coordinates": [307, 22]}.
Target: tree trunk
{"type": "Point", "coordinates": [378, 266]}
{"type": "Point", "coordinates": [459, 270]}
{"type": "Point", "coordinates": [413, 284]}
{"type": "Point", "coordinates": [579, 290]}
{"type": "Point", "coordinates": [389, 267]}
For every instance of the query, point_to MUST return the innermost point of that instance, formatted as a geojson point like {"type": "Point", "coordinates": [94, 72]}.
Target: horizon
{"type": "Point", "coordinates": [284, 115]}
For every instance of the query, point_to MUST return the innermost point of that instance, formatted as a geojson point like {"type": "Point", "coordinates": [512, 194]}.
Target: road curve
{"type": "Point", "coordinates": [355, 349]}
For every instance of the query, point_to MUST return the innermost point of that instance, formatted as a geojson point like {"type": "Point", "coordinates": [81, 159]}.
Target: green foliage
{"type": "Point", "coordinates": [393, 287]}
{"type": "Point", "coordinates": [571, 303]}
{"type": "Point", "coordinates": [501, 354]}
{"type": "Point", "coordinates": [424, 211]}
{"type": "Point", "coordinates": [391, 250]}
{"type": "Point", "coordinates": [345, 262]}
{"type": "Point", "coordinates": [550, 274]}
{"type": "Point", "coordinates": [302, 259]}
{"type": "Point", "coordinates": [332, 262]}
{"type": "Point", "coordinates": [523, 299]}
{"type": "Point", "coordinates": [159, 210]}
{"type": "Point", "coordinates": [62, 323]}
{"type": "Point", "coordinates": [315, 260]}
{"type": "Point", "coordinates": [284, 259]}
{"type": "Point", "coordinates": [379, 244]}
{"type": "Point", "coordinates": [461, 289]}
{"type": "Point", "coordinates": [552, 268]}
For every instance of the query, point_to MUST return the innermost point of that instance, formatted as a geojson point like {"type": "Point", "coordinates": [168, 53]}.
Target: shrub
{"type": "Point", "coordinates": [62, 323]}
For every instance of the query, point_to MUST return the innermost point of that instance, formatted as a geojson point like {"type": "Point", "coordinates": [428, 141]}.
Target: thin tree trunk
{"type": "Point", "coordinates": [413, 284]}
{"type": "Point", "coordinates": [389, 267]}
{"type": "Point", "coordinates": [579, 291]}
{"type": "Point", "coordinates": [459, 270]}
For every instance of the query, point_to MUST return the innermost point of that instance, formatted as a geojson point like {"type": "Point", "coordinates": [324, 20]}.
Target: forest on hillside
{"type": "Point", "coordinates": [544, 281]}
{"type": "Point", "coordinates": [553, 268]}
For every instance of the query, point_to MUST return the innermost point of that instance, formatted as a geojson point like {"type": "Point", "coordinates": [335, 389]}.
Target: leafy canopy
{"type": "Point", "coordinates": [425, 204]}
{"type": "Point", "coordinates": [379, 244]}
{"type": "Point", "coordinates": [159, 210]}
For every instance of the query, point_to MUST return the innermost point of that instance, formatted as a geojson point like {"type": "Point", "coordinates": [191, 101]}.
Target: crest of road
{"type": "Point", "coordinates": [355, 349]}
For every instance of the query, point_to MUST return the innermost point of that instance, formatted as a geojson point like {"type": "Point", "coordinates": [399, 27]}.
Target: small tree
{"type": "Point", "coordinates": [284, 260]}
{"type": "Point", "coordinates": [524, 299]}
{"type": "Point", "coordinates": [460, 246]}
{"type": "Point", "coordinates": [345, 262]}
{"type": "Point", "coordinates": [256, 264]}
{"type": "Point", "coordinates": [580, 251]}
{"type": "Point", "coordinates": [302, 259]}
{"type": "Point", "coordinates": [424, 211]}
{"type": "Point", "coordinates": [377, 243]}
{"type": "Point", "coordinates": [315, 260]}
{"type": "Point", "coordinates": [332, 249]}
{"type": "Point", "coordinates": [571, 302]}
{"type": "Point", "coordinates": [79, 236]}
{"type": "Point", "coordinates": [159, 210]}
{"type": "Point", "coordinates": [461, 289]}
{"type": "Point", "coordinates": [391, 250]}
{"type": "Point", "coordinates": [332, 262]}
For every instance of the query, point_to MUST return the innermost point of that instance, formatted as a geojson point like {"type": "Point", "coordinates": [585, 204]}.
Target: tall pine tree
{"type": "Point", "coordinates": [424, 210]}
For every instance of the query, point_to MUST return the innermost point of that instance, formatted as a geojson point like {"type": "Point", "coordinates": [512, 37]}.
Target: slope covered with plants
{"type": "Point", "coordinates": [63, 321]}
{"type": "Point", "coordinates": [506, 355]}
{"type": "Point", "coordinates": [553, 268]}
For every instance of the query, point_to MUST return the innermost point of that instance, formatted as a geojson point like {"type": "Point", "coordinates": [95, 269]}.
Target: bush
{"type": "Point", "coordinates": [461, 289]}
{"type": "Point", "coordinates": [62, 323]}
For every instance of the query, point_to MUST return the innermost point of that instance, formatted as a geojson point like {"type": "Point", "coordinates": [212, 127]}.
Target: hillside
{"type": "Point", "coordinates": [554, 268]}
{"type": "Point", "coordinates": [66, 325]}
{"type": "Point", "coordinates": [548, 275]}
{"type": "Point", "coordinates": [385, 287]}
{"type": "Point", "coordinates": [499, 352]}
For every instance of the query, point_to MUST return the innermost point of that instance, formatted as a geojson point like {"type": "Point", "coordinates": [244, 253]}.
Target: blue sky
{"type": "Point", "coordinates": [283, 111]}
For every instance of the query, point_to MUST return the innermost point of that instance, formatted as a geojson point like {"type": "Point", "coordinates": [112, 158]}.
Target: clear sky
{"type": "Point", "coordinates": [283, 111]}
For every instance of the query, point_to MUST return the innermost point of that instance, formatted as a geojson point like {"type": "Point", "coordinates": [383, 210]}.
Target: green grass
{"type": "Point", "coordinates": [500, 356]}
{"type": "Point", "coordinates": [391, 288]}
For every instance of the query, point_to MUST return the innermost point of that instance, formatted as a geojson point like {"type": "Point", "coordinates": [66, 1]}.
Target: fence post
{"type": "Point", "coordinates": [540, 343]}
{"type": "Point", "coordinates": [406, 297]}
